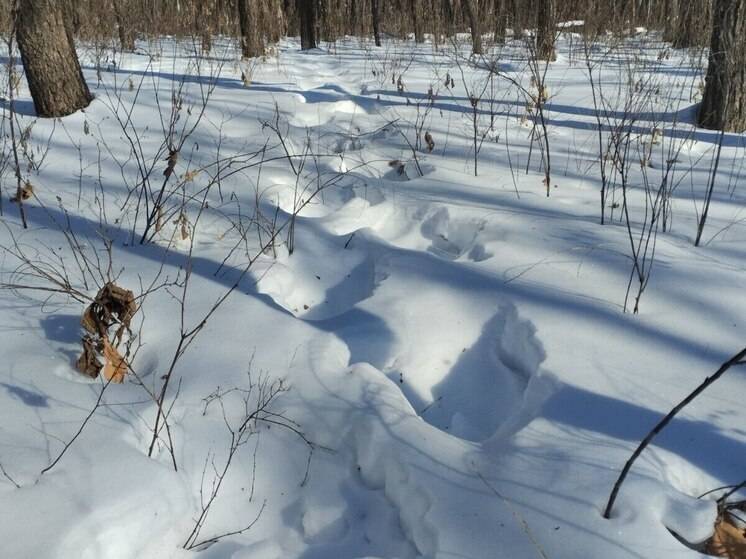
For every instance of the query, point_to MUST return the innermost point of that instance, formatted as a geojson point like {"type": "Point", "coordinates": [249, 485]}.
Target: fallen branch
{"type": "Point", "coordinates": [737, 359]}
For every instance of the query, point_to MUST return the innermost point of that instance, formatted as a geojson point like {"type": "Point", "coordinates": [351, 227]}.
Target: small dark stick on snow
{"type": "Point", "coordinates": [173, 157]}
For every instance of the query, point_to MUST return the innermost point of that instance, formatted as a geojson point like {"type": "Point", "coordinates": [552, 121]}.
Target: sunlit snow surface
{"type": "Point", "coordinates": [454, 345]}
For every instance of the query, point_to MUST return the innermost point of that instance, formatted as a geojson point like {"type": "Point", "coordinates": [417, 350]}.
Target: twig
{"type": "Point", "coordinates": [518, 516]}
{"type": "Point", "coordinates": [80, 429]}
{"type": "Point", "coordinates": [737, 359]}
{"type": "Point", "coordinates": [7, 476]}
{"type": "Point", "coordinates": [248, 527]}
{"type": "Point", "coordinates": [733, 490]}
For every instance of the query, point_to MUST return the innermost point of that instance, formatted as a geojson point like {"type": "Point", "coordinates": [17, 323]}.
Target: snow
{"type": "Point", "coordinates": [454, 346]}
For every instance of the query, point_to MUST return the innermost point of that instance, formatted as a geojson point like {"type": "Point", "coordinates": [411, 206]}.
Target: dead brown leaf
{"type": "Point", "coordinates": [106, 320]}
{"type": "Point", "coordinates": [88, 362]}
{"type": "Point", "coordinates": [430, 142]}
{"type": "Point", "coordinates": [728, 540]}
{"type": "Point", "coordinates": [24, 193]}
{"type": "Point", "coordinates": [115, 366]}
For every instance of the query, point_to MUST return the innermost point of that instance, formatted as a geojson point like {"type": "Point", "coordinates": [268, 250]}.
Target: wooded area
{"type": "Point", "coordinates": [47, 48]}
{"type": "Point", "coordinates": [448, 260]}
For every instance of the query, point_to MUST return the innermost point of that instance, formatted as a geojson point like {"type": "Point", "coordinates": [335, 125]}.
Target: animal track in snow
{"type": "Point", "coordinates": [382, 469]}
{"type": "Point", "coordinates": [309, 113]}
{"type": "Point", "coordinates": [314, 290]}
{"type": "Point", "coordinates": [485, 387]}
{"type": "Point", "coordinates": [454, 238]}
{"type": "Point", "coordinates": [406, 171]}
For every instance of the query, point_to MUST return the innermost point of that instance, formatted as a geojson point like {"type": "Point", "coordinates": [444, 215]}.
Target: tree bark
{"type": "Point", "coordinates": [307, 14]}
{"type": "Point", "coordinates": [501, 23]}
{"type": "Point", "coordinates": [724, 102]}
{"type": "Point", "coordinates": [49, 59]}
{"type": "Point", "coordinates": [448, 16]}
{"type": "Point", "coordinates": [251, 43]}
{"type": "Point", "coordinates": [73, 15]}
{"type": "Point", "coordinates": [694, 20]}
{"type": "Point", "coordinates": [355, 26]}
{"type": "Point", "coordinates": [279, 27]}
{"type": "Point", "coordinates": [545, 30]}
{"type": "Point", "coordinates": [473, 15]}
{"type": "Point", "coordinates": [202, 25]}
{"type": "Point", "coordinates": [326, 12]}
{"type": "Point", "coordinates": [419, 36]}
{"type": "Point", "coordinates": [125, 31]}
{"type": "Point", "coordinates": [671, 20]}
{"type": "Point", "coordinates": [375, 10]}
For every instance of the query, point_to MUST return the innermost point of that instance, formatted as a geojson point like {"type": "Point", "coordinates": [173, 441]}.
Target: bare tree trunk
{"type": "Point", "coordinates": [247, 19]}
{"type": "Point", "coordinates": [375, 10]}
{"type": "Point", "coordinates": [73, 16]}
{"type": "Point", "coordinates": [326, 15]}
{"type": "Point", "coordinates": [724, 101]}
{"type": "Point", "coordinates": [307, 14]}
{"type": "Point", "coordinates": [202, 25]}
{"type": "Point", "coordinates": [473, 15]}
{"type": "Point", "coordinates": [267, 22]}
{"type": "Point", "coordinates": [125, 31]}
{"type": "Point", "coordinates": [49, 59]}
{"type": "Point", "coordinates": [693, 23]}
{"type": "Point", "coordinates": [355, 26]}
{"type": "Point", "coordinates": [448, 15]}
{"type": "Point", "coordinates": [419, 36]}
{"type": "Point", "coordinates": [545, 30]}
{"type": "Point", "coordinates": [671, 20]}
{"type": "Point", "coordinates": [501, 23]}
{"type": "Point", "coordinates": [522, 19]}
{"type": "Point", "coordinates": [279, 27]}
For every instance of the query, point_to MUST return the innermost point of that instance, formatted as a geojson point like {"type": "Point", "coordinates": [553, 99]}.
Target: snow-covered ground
{"type": "Point", "coordinates": [459, 377]}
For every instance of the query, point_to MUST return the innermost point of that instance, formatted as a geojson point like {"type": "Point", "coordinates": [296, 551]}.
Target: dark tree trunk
{"type": "Point", "coordinates": [545, 30]}
{"type": "Point", "coordinates": [671, 19]}
{"type": "Point", "coordinates": [375, 10]}
{"type": "Point", "coordinates": [693, 24]}
{"type": "Point", "coordinates": [279, 27]}
{"type": "Point", "coordinates": [73, 16]}
{"type": "Point", "coordinates": [251, 42]}
{"type": "Point", "coordinates": [220, 10]}
{"type": "Point", "coordinates": [473, 15]}
{"type": "Point", "coordinates": [448, 16]}
{"type": "Point", "coordinates": [126, 33]}
{"type": "Point", "coordinates": [268, 21]}
{"type": "Point", "coordinates": [325, 14]}
{"type": "Point", "coordinates": [501, 23]}
{"type": "Point", "coordinates": [355, 26]}
{"type": "Point", "coordinates": [49, 59]}
{"type": "Point", "coordinates": [724, 102]}
{"type": "Point", "coordinates": [202, 25]}
{"type": "Point", "coordinates": [419, 36]}
{"type": "Point", "coordinates": [307, 16]}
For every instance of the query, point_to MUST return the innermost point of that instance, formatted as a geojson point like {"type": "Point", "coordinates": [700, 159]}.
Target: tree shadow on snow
{"type": "Point", "coordinates": [29, 398]}
{"type": "Point", "coordinates": [24, 107]}
{"type": "Point", "coordinates": [700, 443]}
